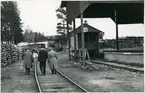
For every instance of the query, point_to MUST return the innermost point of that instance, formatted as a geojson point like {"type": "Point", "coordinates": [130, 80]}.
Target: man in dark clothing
{"type": "Point", "coordinates": [42, 56]}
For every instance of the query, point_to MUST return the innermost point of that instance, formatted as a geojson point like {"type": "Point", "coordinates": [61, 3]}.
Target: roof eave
{"type": "Point", "coordinates": [63, 4]}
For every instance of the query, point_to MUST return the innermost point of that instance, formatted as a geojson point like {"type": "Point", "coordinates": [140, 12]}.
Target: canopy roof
{"type": "Point", "coordinates": [127, 11]}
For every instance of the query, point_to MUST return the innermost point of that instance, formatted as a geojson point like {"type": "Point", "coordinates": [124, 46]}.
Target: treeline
{"type": "Point", "coordinates": [30, 36]}
{"type": "Point", "coordinates": [11, 31]}
{"type": "Point", "coordinates": [11, 26]}
{"type": "Point", "coordinates": [124, 42]}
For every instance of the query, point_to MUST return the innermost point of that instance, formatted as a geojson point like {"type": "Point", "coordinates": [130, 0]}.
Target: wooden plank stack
{"type": "Point", "coordinates": [9, 54]}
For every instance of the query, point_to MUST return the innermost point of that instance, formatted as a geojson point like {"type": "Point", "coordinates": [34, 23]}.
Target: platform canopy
{"type": "Point", "coordinates": [127, 11]}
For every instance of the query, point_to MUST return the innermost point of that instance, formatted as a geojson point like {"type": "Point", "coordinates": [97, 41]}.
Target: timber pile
{"type": "Point", "coordinates": [9, 54]}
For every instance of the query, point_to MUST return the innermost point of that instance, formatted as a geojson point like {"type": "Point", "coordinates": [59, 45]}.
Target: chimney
{"type": "Point", "coordinates": [85, 22]}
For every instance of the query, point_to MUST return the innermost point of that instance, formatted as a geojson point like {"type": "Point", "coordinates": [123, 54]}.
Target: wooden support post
{"type": "Point", "coordinates": [64, 38]}
{"type": "Point", "coordinates": [68, 36]}
{"type": "Point", "coordinates": [117, 46]}
{"type": "Point", "coordinates": [82, 37]}
{"type": "Point", "coordinates": [117, 41]}
{"type": "Point", "coordinates": [74, 27]}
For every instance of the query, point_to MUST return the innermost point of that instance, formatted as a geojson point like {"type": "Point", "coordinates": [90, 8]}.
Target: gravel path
{"type": "Point", "coordinates": [104, 79]}
{"type": "Point", "coordinates": [13, 79]}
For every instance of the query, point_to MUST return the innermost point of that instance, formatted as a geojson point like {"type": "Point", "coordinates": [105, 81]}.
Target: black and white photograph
{"type": "Point", "coordinates": [63, 46]}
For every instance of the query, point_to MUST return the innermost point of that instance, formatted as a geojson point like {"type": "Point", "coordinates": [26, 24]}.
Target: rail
{"type": "Point", "coordinates": [129, 50]}
{"type": "Point", "coordinates": [80, 87]}
{"type": "Point", "coordinates": [40, 89]}
{"type": "Point", "coordinates": [36, 78]}
{"type": "Point", "coordinates": [127, 67]}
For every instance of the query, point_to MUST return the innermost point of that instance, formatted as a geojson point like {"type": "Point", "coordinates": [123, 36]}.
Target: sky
{"type": "Point", "coordinates": [40, 16]}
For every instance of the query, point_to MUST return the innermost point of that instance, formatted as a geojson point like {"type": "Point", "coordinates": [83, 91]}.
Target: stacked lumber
{"type": "Point", "coordinates": [9, 54]}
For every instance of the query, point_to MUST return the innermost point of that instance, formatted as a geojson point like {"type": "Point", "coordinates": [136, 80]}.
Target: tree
{"type": "Point", "coordinates": [61, 26]}
{"type": "Point", "coordinates": [11, 23]}
{"type": "Point", "coordinates": [31, 36]}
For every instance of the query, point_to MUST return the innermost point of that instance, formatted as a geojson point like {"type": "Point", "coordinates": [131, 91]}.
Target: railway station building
{"type": "Point", "coordinates": [91, 38]}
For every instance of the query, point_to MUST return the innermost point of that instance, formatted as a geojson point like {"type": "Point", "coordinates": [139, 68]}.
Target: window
{"type": "Point", "coordinates": [85, 29]}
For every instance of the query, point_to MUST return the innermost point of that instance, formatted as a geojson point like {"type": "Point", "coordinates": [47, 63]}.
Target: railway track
{"type": "Point", "coordinates": [91, 65]}
{"type": "Point", "coordinates": [56, 82]}
{"type": "Point", "coordinates": [121, 66]}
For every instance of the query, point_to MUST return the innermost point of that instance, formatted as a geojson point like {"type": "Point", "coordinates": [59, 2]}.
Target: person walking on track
{"type": "Point", "coordinates": [52, 60]}
{"type": "Point", "coordinates": [35, 55]}
{"type": "Point", "coordinates": [28, 60]}
{"type": "Point", "coordinates": [42, 56]}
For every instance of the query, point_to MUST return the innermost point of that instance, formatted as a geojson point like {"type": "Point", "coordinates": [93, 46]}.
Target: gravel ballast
{"type": "Point", "coordinates": [104, 79]}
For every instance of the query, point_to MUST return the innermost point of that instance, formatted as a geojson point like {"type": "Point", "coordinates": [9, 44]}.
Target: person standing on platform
{"type": "Point", "coordinates": [28, 60]}
{"type": "Point", "coordinates": [52, 60]}
{"type": "Point", "coordinates": [42, 56]}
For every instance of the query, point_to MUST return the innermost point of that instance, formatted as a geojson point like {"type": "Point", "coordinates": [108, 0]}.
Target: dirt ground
{"type": "Point", "coordinates": [13, 79]}
{"type": "Point", "coordinates": [104, 79]}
